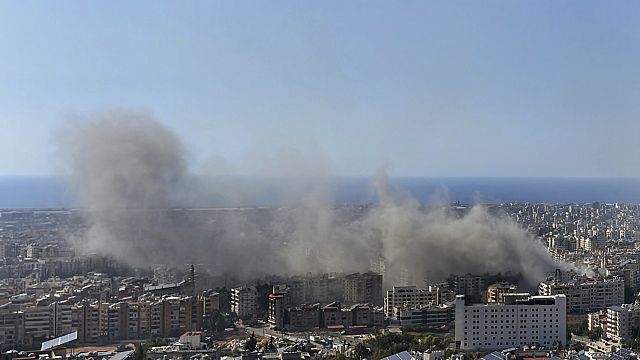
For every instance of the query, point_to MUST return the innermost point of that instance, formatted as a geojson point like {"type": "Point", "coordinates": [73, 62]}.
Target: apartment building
{"type": "Point", "coordinates": [427, 315]}
{"type": "Point", "coordinates": [628, 270]}
{"type": "Point", "coordinates": [86, 320]}
{"type": "Point", "coordinates": [156, 315]}
{"type": "Point", "coordinates": [331, 316]}
{"type": "Point", "coordinates": [363, 288]}
{"type": "Point", "coordinates": [304, 317]}
{"type": "Point", "coordinates": [621, 319]}
{"type": "Point", "coordinates": [244, 301]}
{"type": "Point", "coordinates": [537, 320]}
{"type": "Point", "coordinates": [39, 320]}
{"type": "Point", "coordinates": [118, 321]}
{"type": "Point", "coordinates": [139, 322]}
{"type": "Point", "coordinates": [210, 302]}
{"type": "Point", "coordinates": [496, 292]}
{"type": "Point", "coordinates": [586, 294]}
{"type": "Point", "coordinates": [36, 324]}
{"type": "Point", "coordinates": [11, 328]}
{"type": "Point", "coordinates": [277, 306]}
{"type": "Point", "coordinates": [468, 285]}
{"type": "Point", "coordinates": [60, 318]}
{"type": "Point", "coordinates": [597, 320]}
{"type": "Point", "coordinates": [334, 317]}
{"type": "Point", "coordinates": [323, 288]}
{"type": "Point", "coordinates": [169, 316]}
{"type": "Point", "coordinates": [410, 297]}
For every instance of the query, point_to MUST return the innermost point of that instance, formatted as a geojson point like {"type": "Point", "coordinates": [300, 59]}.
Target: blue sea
{"type": "Point", "coordinates": [48, 192]}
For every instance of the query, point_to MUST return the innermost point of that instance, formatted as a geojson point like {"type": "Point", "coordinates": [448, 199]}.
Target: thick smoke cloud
{"type": "Point", "coordinates": [436, 242]}
{"type": "Point", "coordinates": [124, 166]}
{"type": "Point", "coordinates": [132, 179]}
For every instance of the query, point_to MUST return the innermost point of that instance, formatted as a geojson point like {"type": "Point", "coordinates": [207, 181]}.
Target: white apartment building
{"type": "Point", "coordinates": [537, 320]}
{"type": "Point", "coordinates": [244, 301]}
{"type": "Point", "coordinates": [584, 294]}
{"type": "Point", "coordinates": [621, 319]}
{"type": "Point", "coordinates": [409, 297]}
{"type": "Point", "coordinates": [597, 320]}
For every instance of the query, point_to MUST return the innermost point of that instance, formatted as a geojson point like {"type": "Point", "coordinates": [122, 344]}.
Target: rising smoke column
{"type": "Point", "coordinates": [437, 242]}
{"type": "Point", "coordinates": [132, 179]}
{"type": "Point", "coordinates": [124, 167]}
{"type": "Point", "coordinates": [130, 173]}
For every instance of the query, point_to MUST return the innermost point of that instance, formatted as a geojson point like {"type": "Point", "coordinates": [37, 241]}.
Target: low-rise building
{"type": "Point", "coordinates": [429, 315]}
{"type": "Point", "coordinates": [303, 317]}
{"type": "Point", "coordinates": [334, 317]}
{"type": "Point", "coordinates": [193, 340]}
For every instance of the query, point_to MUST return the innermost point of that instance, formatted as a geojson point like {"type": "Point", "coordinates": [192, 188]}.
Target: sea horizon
{"type": "Point", "coordinates": [33, 192]}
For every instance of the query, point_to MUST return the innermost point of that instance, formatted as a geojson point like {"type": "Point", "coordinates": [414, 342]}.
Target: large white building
{"type": "Point", "coordinates": [536, 320]}
{"type": "Point", "coordinates": [584, 294]}
{"type": "Point", "coordinates": [244, 301]}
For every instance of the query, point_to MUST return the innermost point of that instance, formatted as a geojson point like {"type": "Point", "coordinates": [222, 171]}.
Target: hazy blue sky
{"type": "Point", "coordinates": [505, 88]}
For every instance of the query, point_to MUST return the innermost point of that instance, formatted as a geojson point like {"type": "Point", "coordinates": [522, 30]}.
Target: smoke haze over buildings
{"type": "Point", "coordinates": [132, 177]}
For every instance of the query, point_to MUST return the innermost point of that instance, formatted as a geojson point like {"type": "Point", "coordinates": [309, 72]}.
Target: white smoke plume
{"type": "Point", "coordinates": [438, 242]}
{"type": "Point", "coordinates": [132, 178]}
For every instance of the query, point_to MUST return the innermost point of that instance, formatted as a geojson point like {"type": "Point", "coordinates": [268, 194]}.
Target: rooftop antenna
{"type": "Point", "coordinates": [193, 281]}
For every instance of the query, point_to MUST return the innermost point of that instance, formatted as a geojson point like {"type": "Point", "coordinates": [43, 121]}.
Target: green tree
{"type": "Point", "coordinates": [631, 343]}
{"type": "Point", "coordinates": [251, 343]}
{"type": "Point", "coordinates": [389, 344]}
{"type": "Point", "coordinates": [580, 328]}
{"type": "Point", "coordinates": [596, 333]}
{"type": "Point", "coordinates": [139, 352]}
{"type": "Point", "coordinates": [218, 321]}
{"type": "Point", "coordinates": [362, 351]}
{"type": "Point", "coordinates": [155, 342]}
{"type": "Point", "coordinates": [271, 345]}
{"type": "Point", "coordinates": [576, 346]}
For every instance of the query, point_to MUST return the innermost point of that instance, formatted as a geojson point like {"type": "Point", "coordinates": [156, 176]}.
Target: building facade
{"type": "Point", "coordinates": [410, 297]}
{"type": "Point", "coordinates": [584, 294]}
{"type": "Point", "coordinates": [363, 288]}
{"type": "Point", "coordinates": [621, 320]}
{"type": "Point", "coordinates": [244, 301]}
{"type": "Point", "coordinates": [538, 320]}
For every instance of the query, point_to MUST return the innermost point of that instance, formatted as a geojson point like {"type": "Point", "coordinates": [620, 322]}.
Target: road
{"type": "Point", "coordinates": [303, 336]}
{"type": "Point", "coordinates": [266, 331]}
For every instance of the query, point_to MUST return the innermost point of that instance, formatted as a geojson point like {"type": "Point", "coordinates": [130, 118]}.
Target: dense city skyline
{"type": "Point", "coordinates": [334, 180]}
